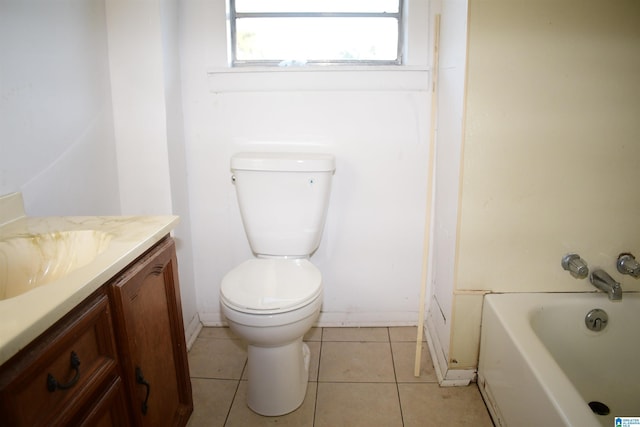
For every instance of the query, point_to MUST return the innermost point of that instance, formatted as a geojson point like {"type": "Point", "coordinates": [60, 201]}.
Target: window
{"type": "Point", "coordinates": [298, 32]}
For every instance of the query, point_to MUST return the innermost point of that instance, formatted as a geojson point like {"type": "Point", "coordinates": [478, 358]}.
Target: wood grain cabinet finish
{"type": "Point", "coordinates": [51, 381]}
{"type": "Point", "coordinates": [110, 408]}
{"type": "Point", "coordinates": [118, 359]}
{"type": "Point", "coordinates": [151, 341]}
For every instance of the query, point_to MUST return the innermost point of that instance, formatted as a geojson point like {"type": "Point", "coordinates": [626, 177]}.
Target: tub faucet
{"type": "Point", "coordinates": [601, 280]}
{"type": "Point", "coordinates": [627, 264]}
{"type": "Point", "coordinates": [575, 265]}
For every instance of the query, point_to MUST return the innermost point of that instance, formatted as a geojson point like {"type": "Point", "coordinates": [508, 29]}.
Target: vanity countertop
{"type": "Point", "coordinates": [26, 316]}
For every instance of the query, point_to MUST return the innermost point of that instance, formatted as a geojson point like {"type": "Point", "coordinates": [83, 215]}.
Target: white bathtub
{"type": "Point", "coordinates": [540, 365]}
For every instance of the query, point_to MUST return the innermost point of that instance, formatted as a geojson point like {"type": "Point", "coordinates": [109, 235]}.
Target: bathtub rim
{"type": "Point", "coordinates": [514, 312]}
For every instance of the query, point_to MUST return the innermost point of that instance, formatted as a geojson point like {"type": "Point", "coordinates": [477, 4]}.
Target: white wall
{"type": "Point", "coordinates": [56, 133]}
{"type": "Point", "coordinates": [448, 148]}
{"type": "Point", "coordinates": [57, 140]}
{"type": "Point", "coordinates": [136, 61]}
{"type": "Point", "coordinates": [376, 124]}
{"type": "Point", "coordinates": [146, 88]}
{"type": "Point", "coordinates": [178, 168]}
{"type": "Point", "coordinates": [550, 151]}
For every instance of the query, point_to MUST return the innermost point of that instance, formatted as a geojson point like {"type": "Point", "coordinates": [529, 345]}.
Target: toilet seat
{"type": "Point", "coordinates": [271, 285]}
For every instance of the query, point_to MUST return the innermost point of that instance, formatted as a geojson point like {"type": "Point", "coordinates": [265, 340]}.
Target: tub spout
{"type": "Point", "coordinates": [601, 280]}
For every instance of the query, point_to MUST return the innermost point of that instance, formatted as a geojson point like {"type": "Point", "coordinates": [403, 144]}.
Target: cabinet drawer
{"type": "Point", "coordinates": [50, 380]}
{"type": "Point", "coordinates": [109, 410]}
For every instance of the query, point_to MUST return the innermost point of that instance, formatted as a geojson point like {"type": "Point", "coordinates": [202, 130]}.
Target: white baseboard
{"type": "Point", "coordinates": [212, 319]}
{"type": "Point", "coordinates": [192, 331]}
{"type": "Point", "coordinates": [377, 319]}
{"type": "Point", "coordinates": [446, 377]}
{"type": "Point", "coordinates": [337, 319]}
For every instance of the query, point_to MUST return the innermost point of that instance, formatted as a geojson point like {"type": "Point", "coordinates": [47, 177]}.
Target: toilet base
{"type": "Point", "coordinates": [278, 377]}
{"type": "Point", "coordinates": [277, 359]}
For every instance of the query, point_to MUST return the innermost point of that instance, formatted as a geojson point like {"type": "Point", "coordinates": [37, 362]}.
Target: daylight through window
{"type": "Point", "coordinates": [298, 32]}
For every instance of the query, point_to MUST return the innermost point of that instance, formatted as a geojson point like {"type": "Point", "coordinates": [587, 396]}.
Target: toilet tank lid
{"type": "Point", "coordinates": [284, 162]}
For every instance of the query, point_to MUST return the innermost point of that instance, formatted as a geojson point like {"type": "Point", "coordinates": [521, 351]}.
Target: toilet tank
{"type": "Point", "coordinates": [283, 200]}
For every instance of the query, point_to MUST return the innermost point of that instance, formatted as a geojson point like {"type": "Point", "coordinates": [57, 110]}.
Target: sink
{"type": "Point", "coordinates": [32, 260]}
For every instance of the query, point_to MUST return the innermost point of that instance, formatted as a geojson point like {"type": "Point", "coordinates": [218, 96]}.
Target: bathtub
{"type": "Point", "coordinates": [540, 365]}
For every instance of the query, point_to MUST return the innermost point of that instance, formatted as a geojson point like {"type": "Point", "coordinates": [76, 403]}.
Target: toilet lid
{"type": "Point", "coordinates": [271, 284]}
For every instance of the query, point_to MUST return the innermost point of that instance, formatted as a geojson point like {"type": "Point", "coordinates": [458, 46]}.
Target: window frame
{"type": "Point", "coordinates": [233, 16]}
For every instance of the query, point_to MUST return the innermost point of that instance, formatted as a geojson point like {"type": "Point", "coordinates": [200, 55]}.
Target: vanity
{"type": "Point", "coordinates": [94, 336]}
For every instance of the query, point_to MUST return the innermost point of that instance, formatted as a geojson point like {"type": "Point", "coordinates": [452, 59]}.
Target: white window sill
{"type": "Point", "coordinates": [314, 78]}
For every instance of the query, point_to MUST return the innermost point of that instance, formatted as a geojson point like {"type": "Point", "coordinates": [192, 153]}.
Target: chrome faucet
{"type": "Point", "coordinates": [575, 265]}
{"type": "Point", "coordinates": [601, 280]}
{"type": "Point", "coordinates": [627, 264]}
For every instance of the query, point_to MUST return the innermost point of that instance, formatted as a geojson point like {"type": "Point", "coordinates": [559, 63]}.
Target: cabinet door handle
{"type": "Point", "coordinates": [53, 384]}
{"type": "Point", "coordinates": [140, 380]}
{"type": "Point", "coordinates": [157, 269]}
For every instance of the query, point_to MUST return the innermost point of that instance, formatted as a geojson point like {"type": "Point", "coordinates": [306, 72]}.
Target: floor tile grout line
{"type": "Point", "coordinates": [326, 381]}
{"type": "Point", "coordinates": [315, 402]}
{"type": "Point", "coordinates": [235, 395]}
{"type": "Point", "coordinates": [358, 382]}
{"type": "Point", "coordinates": [214, 378]}
{"type": "Point", "coordinates": [367, 341]}
{"type": "Point", "coordinates": [395, 375]}
{"type": "Point", "coordinates": [315, 405]}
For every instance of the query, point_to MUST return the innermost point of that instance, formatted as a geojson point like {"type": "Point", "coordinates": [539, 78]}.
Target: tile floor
{"type": "Point", "coordinates": [358, 377]}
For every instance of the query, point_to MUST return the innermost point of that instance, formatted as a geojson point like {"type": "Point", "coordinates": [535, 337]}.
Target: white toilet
{"type": "Point", "coordinates": [272, 300]}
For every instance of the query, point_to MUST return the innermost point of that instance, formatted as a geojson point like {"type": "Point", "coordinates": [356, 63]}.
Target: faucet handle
{"type": "Point", "coordinates": [575, 265]}
{"type": "Point", "coordinates": [627, 264]}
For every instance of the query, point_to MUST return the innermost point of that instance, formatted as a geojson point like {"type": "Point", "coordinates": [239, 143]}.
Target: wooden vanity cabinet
{"type": "Point", "coordinates": [64, 376]}
{"type": "Point", "coordinates": [110, 408]}
{"type": "Point", "coordinates": [150, 338]}
{"type": "Point", "coordinates": [120, 348]}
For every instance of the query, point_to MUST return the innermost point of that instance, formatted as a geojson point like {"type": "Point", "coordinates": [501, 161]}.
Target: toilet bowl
{"type": "Point", "coordinates": [272, 300]}
{"type": "Point", "coordinates": [272, 303]}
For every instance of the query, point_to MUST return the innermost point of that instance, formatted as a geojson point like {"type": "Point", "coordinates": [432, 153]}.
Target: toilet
{"type": "Point", "coordinates": [273, 299]}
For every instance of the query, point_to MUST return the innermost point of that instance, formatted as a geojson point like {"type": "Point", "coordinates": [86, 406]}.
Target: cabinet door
{"type": "Point", "coordinates": [150, 334]}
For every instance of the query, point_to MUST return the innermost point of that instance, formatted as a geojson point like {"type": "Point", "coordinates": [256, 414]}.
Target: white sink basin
{"type": "Point", "coordinates": [48, 265]}
{"type": "Point", "coordinates": [33, 260]}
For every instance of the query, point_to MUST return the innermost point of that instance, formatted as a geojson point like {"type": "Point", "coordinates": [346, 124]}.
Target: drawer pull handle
{"type": "Point", "coordinates": [140, 380]}
{"type": "Point", "coordinates": [53, 384]}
